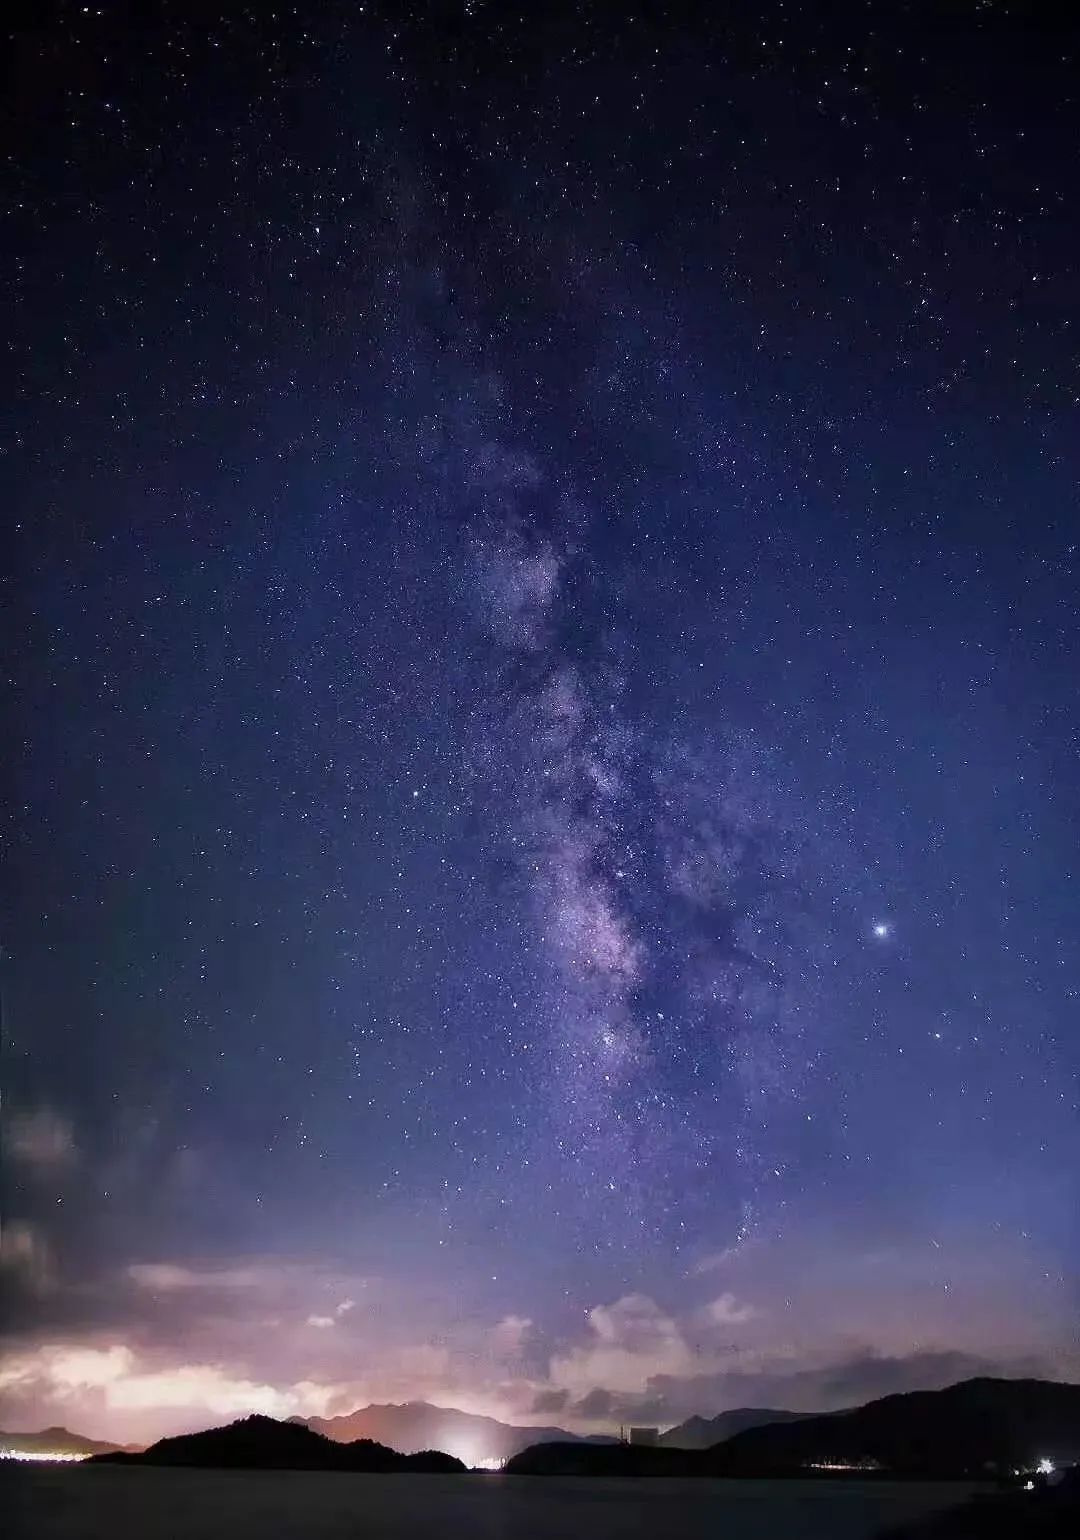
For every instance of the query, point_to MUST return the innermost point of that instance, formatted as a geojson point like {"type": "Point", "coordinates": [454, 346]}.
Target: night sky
{"type": "Point", "coordinates": [543, 708]}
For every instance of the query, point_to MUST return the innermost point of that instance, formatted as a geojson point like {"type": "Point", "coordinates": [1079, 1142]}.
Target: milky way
{"type": "Point", "coordinates": [671, 896]}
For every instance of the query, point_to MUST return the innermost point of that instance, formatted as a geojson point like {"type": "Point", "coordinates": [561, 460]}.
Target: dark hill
{"type": "Point", "coordinates": [580, 1459]}
{"type": "Point", "coordinates": [261, 1443]}
{"type": "Point", "coordinates": [973, 1429]}
{"type": "Point", "coordinates": [968, 1429]}
{"type": "Point", "coordinates": [434, 1462]}
{"type": "Point", "coordinates": [703, 1432]}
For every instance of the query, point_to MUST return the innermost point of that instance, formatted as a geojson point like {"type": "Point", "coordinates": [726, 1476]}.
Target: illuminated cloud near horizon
{"type": "Point", "coordinates": [767, 1323]}
{"type": "Point", "coordinates": [41, 1139]}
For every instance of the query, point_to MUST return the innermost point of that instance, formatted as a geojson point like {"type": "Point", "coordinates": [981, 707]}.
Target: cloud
{"type": "Point", "coordinates": [170, 1277]}
{"type": "Point", "coordinates": [715, 1261]}
{"type": "Point", "coordinates": [293, 1287]}
{"type": "Point", "coordinates": [636, 1362]}
{"type": "Point", "coordinates": [67, 1368]}
{"type": "Point", "coordinates": [729, 1311]}
{"type": "Point", "coordinates": [598, 1404]}
{"type": "Point", "coordinates": [640, 1361]}
{"type": "Point", "coordinates": [630, 1343]}
{"type": "Point", "coordinates": [835, 1383]}
{"type": "Point", "coordinates": [511, 1333]}
{"type": "Point", "coordinates": [25, 1256]}
{"type": "Point", "coordinates": [42, 1139]}
{"type": "Point", "coordinates": [324, 1321]}
{"type": "Point", "coordinates": [116, 1380]}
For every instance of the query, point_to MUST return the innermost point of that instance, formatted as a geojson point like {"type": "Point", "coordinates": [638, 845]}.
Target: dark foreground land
{"type": "Point", "coordinates": [1050, 1512]}
{"type": "Point", "coordinates": [156, 1503]}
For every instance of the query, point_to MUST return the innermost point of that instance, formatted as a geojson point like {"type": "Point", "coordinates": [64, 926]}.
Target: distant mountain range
{"type": "Point", "coordinates": [976, 1428]}
{"type": "Point", "coordinates": [704, 1432]}
{"type": "Point", "coordinates": [965, 1429]}
{"type": "Point", "coordinates": [262, 1443]}
{"type": "Point", "coordinates": [417, 1425]}
{"type": "Point", "coordinates": [970, 1429]}
{"type": "Point", "coordinates": [57, 1441]}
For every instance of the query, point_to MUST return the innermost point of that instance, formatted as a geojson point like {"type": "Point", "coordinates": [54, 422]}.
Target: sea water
{"type": "Point", "coordinates": [111, 1502]}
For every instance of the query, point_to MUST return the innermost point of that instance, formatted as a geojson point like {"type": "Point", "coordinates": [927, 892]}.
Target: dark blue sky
{"type": "Point", "coordinates": [543, 848]}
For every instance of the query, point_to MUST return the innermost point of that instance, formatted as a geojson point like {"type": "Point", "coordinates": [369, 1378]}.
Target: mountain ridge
{"type": "Point", "coordinates": [966, 1428]}
{"type": "Point", "coordinates": [59, 1440]}
{"type": "Point", "coordinates": [975, 1429]}
{"type": "Point", "coordinates": [264, 1443]}
{"type": "Point", "coordinates": [410, 1426]}
{"type": "Point", "coordinates": [703, 1432]}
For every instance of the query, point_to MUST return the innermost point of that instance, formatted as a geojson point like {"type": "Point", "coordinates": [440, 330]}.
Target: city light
{"type": "Point", "coordinates": [45, 1456]}
{"type": "Point", "coordinates": [470, 1455]}
{"type": "Point", "coordinates": [838, 1465]}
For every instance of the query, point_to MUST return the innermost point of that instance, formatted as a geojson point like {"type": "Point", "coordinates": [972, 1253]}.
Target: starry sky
{"type": "Point", "coordinates": [543, 708]}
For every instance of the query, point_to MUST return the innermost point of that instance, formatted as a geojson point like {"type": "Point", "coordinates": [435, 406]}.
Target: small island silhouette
{"type": "Point", "coordinates": [263, 1443]}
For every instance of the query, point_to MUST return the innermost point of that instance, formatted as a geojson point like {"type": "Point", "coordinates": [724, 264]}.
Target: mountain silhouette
{"type": "Point", "coordinates": [968, 1429]}
{"type": "Point", "coordinates": [416, 1425]}
{"type": "Point", "coordinates": [974, 1429]}
{"type": "Point", "coordinates": [613, 1459]}
{"type": "Point", "coordinates": [262, 1443]}
{"type": "Point", "coordinates": [58, 1441]}
{"type": "Point", "coordinates": [703, 1432]}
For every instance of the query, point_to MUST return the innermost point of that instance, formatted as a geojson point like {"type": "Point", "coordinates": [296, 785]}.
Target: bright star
{"type": "Point", "coordinates": [881, 929]}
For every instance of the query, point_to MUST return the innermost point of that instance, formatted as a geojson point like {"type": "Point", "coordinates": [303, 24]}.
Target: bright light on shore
{"type": "Point", "coordinates": [48, 1456]}
{"type": "Point", "coordinates": [1045, 1467]}
{"type": "Point", "coordinates": [469, 1455]}
{"type": "Point", "coordinates": [842, 1465]}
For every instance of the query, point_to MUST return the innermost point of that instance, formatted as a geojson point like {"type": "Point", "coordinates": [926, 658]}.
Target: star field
{"type": "Point", "coordinates": [543, 709]}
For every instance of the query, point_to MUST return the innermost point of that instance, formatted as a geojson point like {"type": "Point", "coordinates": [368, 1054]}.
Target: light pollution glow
{"type": "Point", "coordinates": [43, 1456]}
